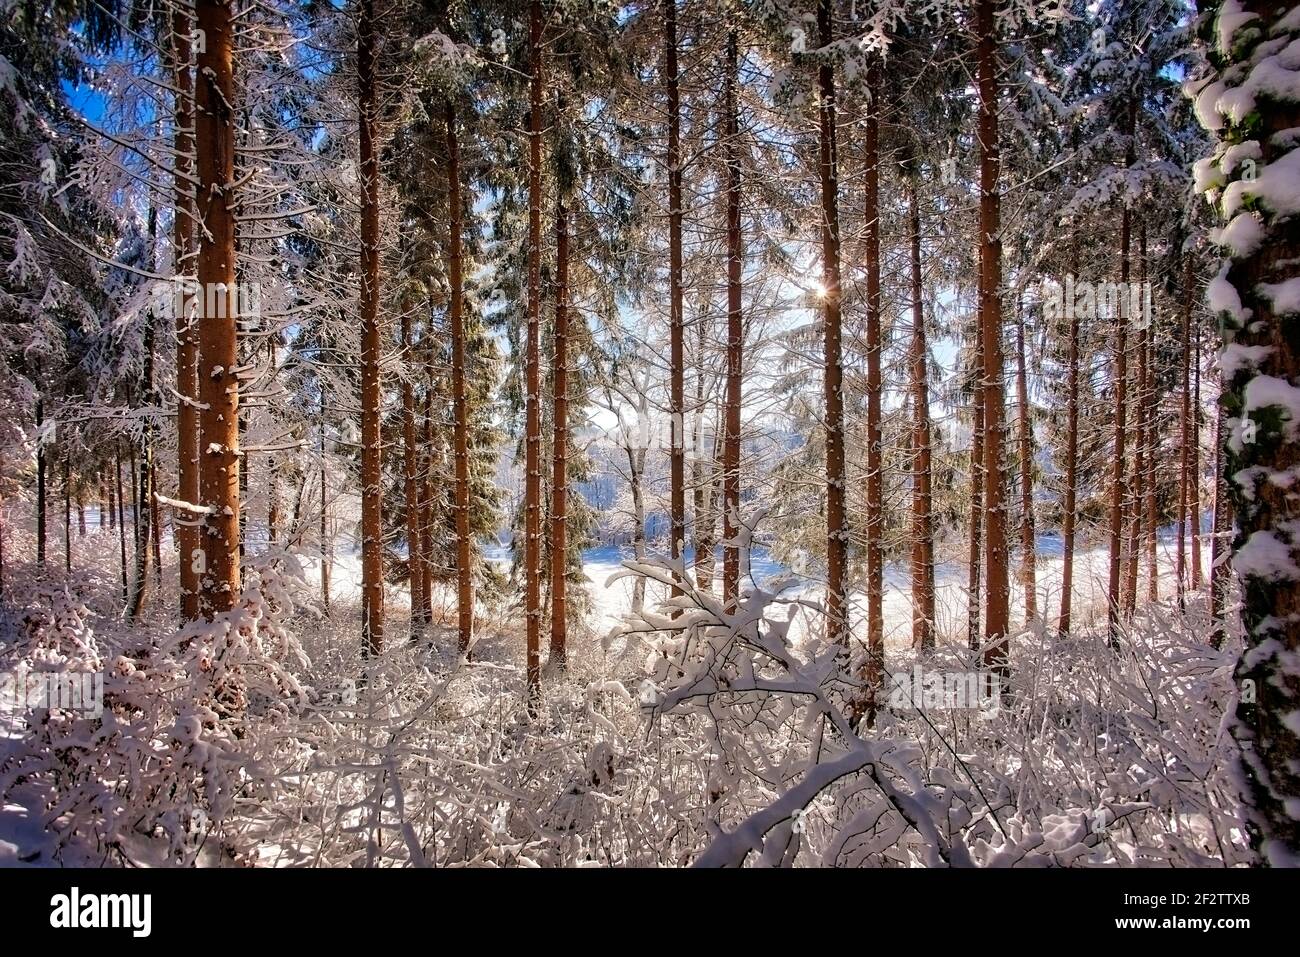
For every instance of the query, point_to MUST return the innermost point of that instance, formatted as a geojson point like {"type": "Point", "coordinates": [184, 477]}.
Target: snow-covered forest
{"type": "Point", "coordinates": [649, 433]}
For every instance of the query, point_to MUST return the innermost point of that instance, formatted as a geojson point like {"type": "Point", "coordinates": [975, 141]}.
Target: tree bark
{"type": "Point", "coordinates": [974, 558]}
{"type": "Point", "coordinates": [1184, 421]}
{"type": "Point", "coordinates": [40, 479]}
{"type": "Point", "coordinates": [996, 591]}
{"type": "Point", "coordinates": [326, 551]}
{"type": "Point", "coordinates": [1261, 456]}
{"type": "Point", "coordinates": [1119, 484]}
{"type": "Point", "coordinates": [875, 514]}
{"type": "Point", "coordinates": [121, 522]}
{"type": "Point", "coordinates": [410, 485]}
{"type": "Point", "coordinates": [560, 440]}
{"type": "Point", "coordinates": [218, 335]}
{"type": "Point", "coordinates": [1070, 506]}
{"type": "Point", "coordinates": [460, 397]}
{"type": "Point", "coordinates": [67, 516]}
{"type": "Point", "coordinates": [677, 348]}
{"type": "Point", "coordinates": [1028, 577]}
{"type": "Point", "coordinates": [1194, 477]}
{"type": "Point", "coordinates": [187, 524]}
{"type": "Point", "coordinates": [372, 504]}
{"type": "Point", "coordinates": [735, 339]}
{"type": "Point", "coordinates": [532, 385]}
{"type": "Point", "coordinates": [836, 525]}
{"type": "Point", "coordinates": [923, 604]}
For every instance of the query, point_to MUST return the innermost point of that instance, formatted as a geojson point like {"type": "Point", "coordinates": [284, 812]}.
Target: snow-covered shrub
{"type": "Point", "coordinates": [1089, 757]}
{"type": "Point", "coordinates": [187, 719]}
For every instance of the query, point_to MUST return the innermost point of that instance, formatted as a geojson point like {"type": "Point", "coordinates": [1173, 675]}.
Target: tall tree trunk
{"type": "Point", "coordinates": [1119, 485]}
{"type": "Point", "coordinates": [218, 334]}
{"type": "Point", "coordinates": [326, 551]}
{"type": "Point", "coordinates": [532, 385]}
{"type": "Point", "coordinates": [836, 524]}
{"type": "Point", "coordinates": [1262, 458]}
{"type": "Point", "coordinates": [40, 479]}
{"type": "Point", "coordinates": [1136, 519]}
{"type": "Point", "coordinates": [187, 524]}
{"type": "Point", "coordinates": [677, 357]}
{"type": "Point", "coordinates": [701, 472]}
{"type": "Point", "coordinates": [1194, 476]}
{"type": "Point", "coordinates": [1220, 538]}
{"type": "Point", "coordinates": [922, 521]}
{"type": "Point", "coordinates": [372, 495]}
{"type": "Point", "coordinates": [1069, 506]}
{"type": "Point", "coordinates": [997, 589]}
{"type": "Point", "coordinates": [975, 552]}
{"type": "Point", "coordinates": [425, 493]}
{"type": "Point", "coordinates": [560, 439]}
{"type": "Point", "coordinates": [1028, 577]}
{"type": "Point", "coordinates": [143, 516]}
{"type": "Point", "coordinates": [875, 517]}
{"type": "Point", "coordinates": [1184, 423]}
{"type": "Point", "coordinates": [144, 497]}
{"type": "Point", "coordinates": [1151, 405]}
{"type": "Point", "coordinates": [735, 338]}
{"type": "Point", "coordinates": [273, 499]}
{"type": "Point", "coordinates": [121, 522]}
{"type": "Point", "coordinates": [67, 515]}
{"type": "Point", "coordinates": [460, 398]}
{"type": "Point", "coordinates": [410, 484]}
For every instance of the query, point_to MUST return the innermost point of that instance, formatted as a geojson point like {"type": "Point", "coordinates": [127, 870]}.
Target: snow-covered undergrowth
{"type": "Point", "coordinates": [695, 737]}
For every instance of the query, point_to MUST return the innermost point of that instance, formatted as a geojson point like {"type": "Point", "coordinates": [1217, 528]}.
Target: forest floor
{"type": "Point", "coordinates": [438, 761]}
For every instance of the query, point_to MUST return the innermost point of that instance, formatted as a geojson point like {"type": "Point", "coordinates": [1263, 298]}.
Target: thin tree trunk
{"type": "Point", "coordinates": [701, 473]}
{"type": "Point", "coordinates": [1194, 476]}
{"type": "Point", "coordinates": [218, 335]}
{"type": "Point", "coordinates": [922, 522]}
{"type": "Point", "coordinates": [677, 358]}
{"type": "Point", "coordinates": [132, 471]}
{"type": "Point", "coordinates": [40, 480]}
{"type": "Point", "coordinates": [532, 385]}
{"type": "Point", "coordinates": [1028, 577]}
{"type": "Point", "coordinates": [410, 487]}
{"type": "Point", "coordinates": [425, 493]}
{"type": "Point", "coordinates": [1184, 421]}
{"type": "Point", "coordinates": [735, 338]}
{"type": "Point", "coordinates": [273, 497]}
{"type": "Point", "coordinates": [67, 516]}
{"type": "Point", "coordinates": [996, 591]}
{"type": "Point", "coordinates": [144, 497]}
{"type": "Point", "coordinates": [1220, 539]}
{"type": "Point", "coordinates": [1142, 424]}
{"type": "Point", "coordinates": [1070, 506]}
{"type": "Point", "coordinates": [460, 398]}
{"type": "Point", "coordinates": [121, 523]}
{"type": "Point", "coordinates": [1151, 406]}
{"type": "Point", "coordinates": [186, 523]}
{"type": "Point", "coordinates": [1119, 483]}
{"type": "Point", "coordinates": [372, 503]}
{"type": "Point", "coordinates": [326, 550]}
{"type": "Point", "coordinates": [875, 512]}
{"type": "Point", "coordinates": [974, 558]}
{"type": "Point", "coordinates": [560, 439]}
{"type": "Point", "coordinates": [836, 525]}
